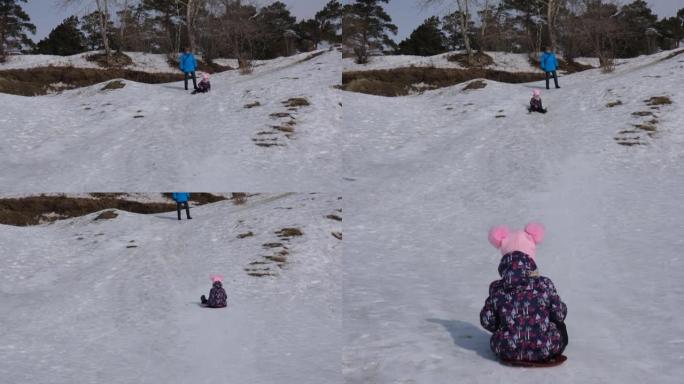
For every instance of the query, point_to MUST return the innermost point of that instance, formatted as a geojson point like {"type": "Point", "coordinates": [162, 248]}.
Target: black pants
{"type": "Point", "coordinates": [548, 76]}
{"type": "Point", "coordinates": [194, 80]}
{"type": "Point", "coordinates": [564, 335]}
{"type": "Point", "coordinates": [204, 300]}
{"type": "Point", "coordinates": [531, 109]}
{"type": "Point", "coordinates": [187, 209]}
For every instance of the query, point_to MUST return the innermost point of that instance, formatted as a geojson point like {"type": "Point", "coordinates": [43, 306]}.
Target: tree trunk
{"type": "Point", "coordinates": [191, 12]}
{"type": "Point", "coordinates": [552, 8]}
{"type": "Point", "coordinates": [483, 28]}
{"type": "Point", "coordinates": [103, 10]}
{"type": "Point", "coordinates": [122, 32]}
{"type": "Point", "coordinates": [465, 16]}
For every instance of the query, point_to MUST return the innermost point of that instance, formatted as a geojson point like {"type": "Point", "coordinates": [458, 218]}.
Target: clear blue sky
{"type": "Point", "coordinates": [47, 14]}
{"type": "Point", "coordinates": [408, 14]}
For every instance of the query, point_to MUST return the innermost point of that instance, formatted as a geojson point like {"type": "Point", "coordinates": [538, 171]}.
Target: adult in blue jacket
{"type": "Point", "coordinates": [188, 65]}
{"type": "Point", "coordinates": [181, 199]}
{"type": "Point", "coordinates": [549, 64]}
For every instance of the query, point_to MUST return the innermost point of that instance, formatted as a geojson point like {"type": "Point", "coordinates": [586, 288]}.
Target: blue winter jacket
{"type": "Point", "coordinates": [549, 62]}
{"type": "Point", "coordinates": [180, 197]}
{"type": "Point", "coordinates": [188, 63]}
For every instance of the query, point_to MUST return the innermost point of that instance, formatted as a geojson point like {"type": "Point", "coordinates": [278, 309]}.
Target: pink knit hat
{"type": "Point", "coordinates": [524, 241]}
{"type": "Point", "coordinates": [215, 278]}
{"type": "Point", "coordinates": [205, 76]}
{"type": "Point", "coordinates": [536, 92]}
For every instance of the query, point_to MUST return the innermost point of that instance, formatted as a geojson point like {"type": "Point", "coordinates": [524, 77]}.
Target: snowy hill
{"type": "Point", "coordinates": [427, 175]}
{"type": "Point", "coordinates": [133, 138]}
{"type": "Point", "coordinates": [116, 301]}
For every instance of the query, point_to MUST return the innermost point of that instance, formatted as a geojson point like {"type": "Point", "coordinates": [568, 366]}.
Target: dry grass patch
{"type": "Point", "coordinates": [337, 235]}
{"type": "Point", "coordinates": [273, 245]}
{"type": "Point", "coordinates": [642, 113]}
{"type": "Point", "coordinates": [40, 81]}
{"type": "Point", "coordinates": [333, 217]}
{"type": "Point", "coordinates": [116, 60]}
{"type": "Point", "coordinates": [613, 104]}
{"type": "Point", "coordinates": [480, 59]}
{"type": "Point", "coordinates": [401, 81]}
{"type": "Point", "coordinates": [253, 105]}
{"type": "Point", "coordinates": [34, 210]}
{"type": "Point", "coordinates": [658, 100]}
{"type": "Point", "coordinates": [296, 102]}
{"type": "Point", "coordinates": [107, 215]}
{"type": "Point", "coordinates": [287, 233]}
{"type": "Point", "coordinates": [285, 129]}
{"type": "Point", "coordinates": [239, 198]}
{"type": "Point", "coordinates": [116, 84]}
{"type": "Point", "coordinates": [244, 235]}
{"type": "Point", "coordinates": [477, 84]}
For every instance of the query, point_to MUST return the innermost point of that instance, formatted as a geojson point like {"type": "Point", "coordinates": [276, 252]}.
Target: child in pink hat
{"type": "Point", "coordinates": [204, 85]}
{"type": "Point", "coordinates": [536, 102]}
{"type": "Point", "coordinates": [523, 311]}
{"type": "Point", "coordinates": [217, 296]}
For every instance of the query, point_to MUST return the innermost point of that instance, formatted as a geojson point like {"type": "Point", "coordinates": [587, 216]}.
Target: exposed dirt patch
{"type": "Point", "coordinates": [658, 100]}
{"type": "Point", "coordinates": [480, 59]}
{"type": "Point", "coordinates": [402, 81]}
{"type": "Point", "coordinates": [244, 235]}
{"type": "Point", "coordinates": [253, 105]}
{"type": "Point", "coordinates": [272, 245]}
{"type": "Point", "coordinates": [116, 60]}
{"type": "Point", "coordinates": [296, 102]}
{"type": "Point", "coordinates": [107, 215]}
{"type": "Point", "coordinates": [612, 104]}
{"type": "Point", "coordinates": [116, 84]}
{"type": "Point", "coordinates": [642, 113]}
{"type": "Point", "coordinates": [41, 81]}
{"type": "Point", "coordinates": [287, 233]}
{"type": "Point", "coordinates": [333, 217]}
{"type": "Point", "coordinates": [337, 235]}
{"type": "Point", "coordinates": [34, 210]}
{"type": "Point", "coordinates": [477, 84]}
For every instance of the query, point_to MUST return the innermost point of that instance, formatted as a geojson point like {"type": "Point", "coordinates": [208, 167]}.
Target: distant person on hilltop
{"type": "Point", "coordinates": [549, 65]}
{"type": "Point", "coordinates": [523, 311]}
{"type": "Point", "coordinates": [188, 65]}
{"type": "Point", "coordinates": [204, 85]}
{"type": "Point", "coordinates": [217, 295]}
{"type": "Point", "coordinates": [536, 102]}
{"type": "Point", "coordinates": [181, 199]}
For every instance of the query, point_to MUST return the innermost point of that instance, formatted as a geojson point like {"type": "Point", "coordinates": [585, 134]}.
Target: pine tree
{"type": "Point", "coordinates": [65, 39]}
{"type": "Point", "coordinates": [276, 25]}
{"type": "Point", "coordinates": [365, 28]}
{"type": "Point", "coordinates": [635, 18]}
{"type": "Point", "coordinates": [14, 24]}
{"type": "Point", "coordinates": [426, 40]}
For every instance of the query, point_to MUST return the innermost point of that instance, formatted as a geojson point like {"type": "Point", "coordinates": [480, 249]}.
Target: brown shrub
{"type": "Point", "coordinates": [38, 81]}
{"type": "Point", "coordinates": [116, 60]}
{"type": "Point", "coordinates": [400, 81]}
{"type": "Point", "coordinates": [32, 210]}
{"type": "Point", "coordinates": [480, 59]}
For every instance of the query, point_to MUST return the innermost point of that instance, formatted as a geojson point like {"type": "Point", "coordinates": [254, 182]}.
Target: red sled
{"type": "Point", "coordinates": [553, 362]}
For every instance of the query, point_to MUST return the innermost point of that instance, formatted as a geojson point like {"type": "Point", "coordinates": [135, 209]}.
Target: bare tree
{"type": "Point", "coordinates": [192, 9]}
{"type": "Point", "coordinates": [103, 12]}
{"type": "Point", "coordinates": [464, 20]}
{"type": "Point", "coordinates": [552, 9]}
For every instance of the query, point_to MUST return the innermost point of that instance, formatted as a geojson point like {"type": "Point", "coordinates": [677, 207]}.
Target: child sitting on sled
{"type": "Point", "coordinates": [204, 85]}
{"type": "Point", "coordinates": [523, 310]}
{"type": "Point", "coordinates": [217, 295]}
{"type": "Point", "coordinates": [536, 102]}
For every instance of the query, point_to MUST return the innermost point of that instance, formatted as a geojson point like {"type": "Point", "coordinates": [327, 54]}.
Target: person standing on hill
{"type": "Point", "coordinates": [181, 199]}
{"type": "Point", "coordinates": [549, 64]}
{"type": "Point", "coordinates": [188, 65]}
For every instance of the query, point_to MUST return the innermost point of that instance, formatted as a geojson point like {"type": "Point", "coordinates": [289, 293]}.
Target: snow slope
{"type": "Point", "coordinates": [137, 137]}
{"type": "Point", "coordinates": [427, 175]}
{"type": "Point", "coordinates": [79, 306]}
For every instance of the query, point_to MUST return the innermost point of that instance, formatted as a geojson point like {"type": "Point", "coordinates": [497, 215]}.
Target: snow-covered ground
{"type": "Point", "coordinates": [116, 301]}
{"type": "Point", "coordinates": [503, 61]}
{"type": "Point", "coordinates": [159, 137]}
{"type": "Point", "coordinates": [427, 175]}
